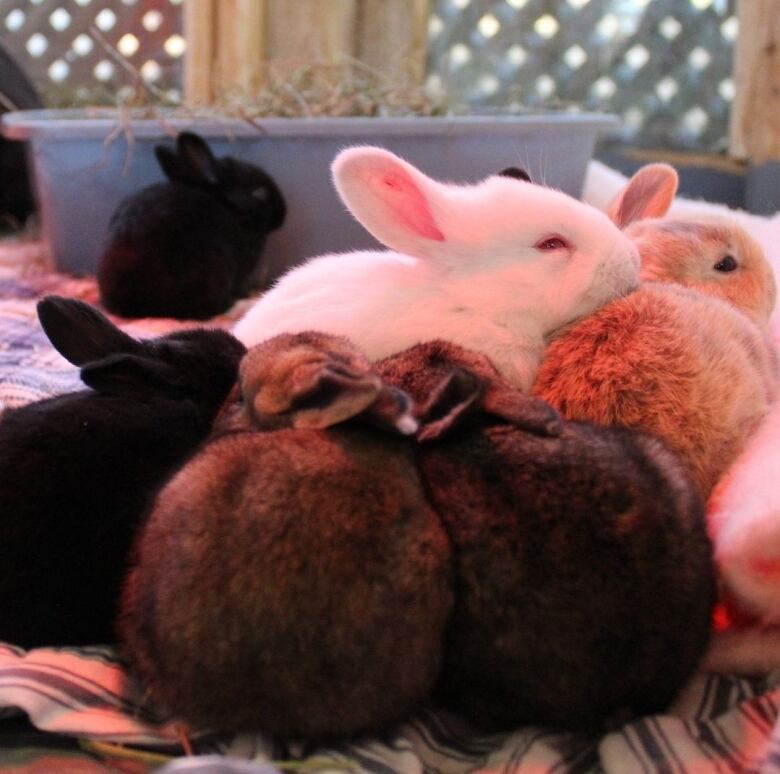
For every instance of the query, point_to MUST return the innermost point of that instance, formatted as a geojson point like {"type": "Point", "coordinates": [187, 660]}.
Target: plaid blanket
{"type": "Point", "coordinates": [719, 723]}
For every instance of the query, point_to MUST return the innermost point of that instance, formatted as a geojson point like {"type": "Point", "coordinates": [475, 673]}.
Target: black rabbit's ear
{"type": "Point", "coordinates": [131, 374]}
{"type": "Point", "coordinates": [516, 173]}
{"type": "Point", "coordinates": [450, 404]}
{"type": "Point", "coordinates": [196, 158]}
{"type": "Point", "coordinates": [523, 411]}
{"type": "Point", "coordinates": [170, 164]}
{"type": "Point", "coordinates": [79, 332]}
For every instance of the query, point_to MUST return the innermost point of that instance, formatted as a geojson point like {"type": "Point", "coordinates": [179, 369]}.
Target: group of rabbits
{"type": "Point", "coordinates": [470, 469]}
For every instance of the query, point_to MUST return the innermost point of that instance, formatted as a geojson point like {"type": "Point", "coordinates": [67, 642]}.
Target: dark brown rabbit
{"type": "Point", "coordinates": [294, 581]}
{"type": "Point", "coordinates": [583, 572]}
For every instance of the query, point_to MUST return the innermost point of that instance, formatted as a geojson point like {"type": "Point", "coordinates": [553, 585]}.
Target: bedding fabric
{"type": "Point", "coordinates": [719, 723]}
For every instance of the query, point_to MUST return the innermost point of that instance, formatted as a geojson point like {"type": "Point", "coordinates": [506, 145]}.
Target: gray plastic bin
{"type": "Point", "coordinates": [83, 166]}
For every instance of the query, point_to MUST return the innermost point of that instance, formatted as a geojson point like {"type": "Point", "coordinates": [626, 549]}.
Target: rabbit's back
{"type": "Point", "coordinates": [669, 361]}
{"type": "Point", "coordinates": [386, 303]}
{"type": "Point", "coordinates": [173, 250]}
{"type": "Point", "coordinates": [295, 582]}
{"type": "Point", "coordinates": [76, 474]}
{"type": "Point", "coordinates": [584, 575]}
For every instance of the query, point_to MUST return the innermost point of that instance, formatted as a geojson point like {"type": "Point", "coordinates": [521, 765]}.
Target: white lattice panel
{"type": "Point", "coordinates": [663, 65]}
{"type": "Point", "coordinates": [69, 47]}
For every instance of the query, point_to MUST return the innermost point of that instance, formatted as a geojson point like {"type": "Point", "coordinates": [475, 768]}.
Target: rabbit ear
{"type": "Point", "coordinates": [79, 332]}
{"type": "Point", "coordinates": [523, 411]}
{"type": "Point", "coordinates": [196, 158]}
{"type": "Point", "coordinates": [131, 374]}
{"type": "Point", "coordinates": [516, 173]}
{"type": "Point", "coordinates": [170, 165]}
{"type": "Point", "coordinates": [320, 394]}
{"type": "Point", "coordinates": [394, 201]}
{"type": "Point", "coordinates": [450, 404]}
{"type": "Point", "coordinates": [648, 194]}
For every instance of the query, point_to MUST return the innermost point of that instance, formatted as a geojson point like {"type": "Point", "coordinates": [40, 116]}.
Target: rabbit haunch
{"type": "Point", "coordinates": [495, 267]}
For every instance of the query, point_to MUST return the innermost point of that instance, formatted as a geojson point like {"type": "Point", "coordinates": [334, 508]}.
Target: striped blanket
{"type": "Point", "coordinates": [718, 723]}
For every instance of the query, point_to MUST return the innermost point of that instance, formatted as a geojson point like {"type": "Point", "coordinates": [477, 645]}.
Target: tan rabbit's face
{"type": "Point", "coordinates": [715, 257]}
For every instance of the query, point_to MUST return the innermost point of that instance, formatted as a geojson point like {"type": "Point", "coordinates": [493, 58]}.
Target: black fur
{"type": "Point", "coordinates": [188, 248]}
{"type": "Point", "coordinates": [78, 471]}
{"type": "Point", "coordinates": [16, 199]}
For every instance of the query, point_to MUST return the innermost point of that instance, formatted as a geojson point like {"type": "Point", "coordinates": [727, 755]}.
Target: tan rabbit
{"type": "Point", "coordinates": [294, 581]}
{"type": "Point", "coordinates": [689, 364]}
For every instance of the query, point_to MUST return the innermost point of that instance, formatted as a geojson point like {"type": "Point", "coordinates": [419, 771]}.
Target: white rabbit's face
{"type": "Point", "coordinates": [536, 245]}
{"type": "Point", "coordinates": [521, 248]}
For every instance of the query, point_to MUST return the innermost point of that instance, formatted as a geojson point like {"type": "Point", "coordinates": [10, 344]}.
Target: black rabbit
{"type": "Point", "coordinates": [77, 471]}
{"type": "Point", "coordinates": [188, 248]}
{"type": "Point", "coordinates": [16, 198]}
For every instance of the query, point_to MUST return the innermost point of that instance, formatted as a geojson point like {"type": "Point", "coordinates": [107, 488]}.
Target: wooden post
{"type": "Point", "coordinates": [755, 114]}
{"type": "Point", "coordinates": [392, 36]}
{"type": "Point", "coordinates": [310, 30]}
{"type": "Point", "coordinates": [240, 48]}
{"type": "Point", "coordinates": [229, 41]}
{"type": "Point", "coordinates": [199, 31]}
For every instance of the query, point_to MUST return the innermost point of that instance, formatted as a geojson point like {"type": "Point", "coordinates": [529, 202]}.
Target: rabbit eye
{"type": "Point", "coordinates": [726, 264]}
{"type": "Point", "coordinates": [260, 193]}
{"type": "Point", "coordinates": [552, 243]}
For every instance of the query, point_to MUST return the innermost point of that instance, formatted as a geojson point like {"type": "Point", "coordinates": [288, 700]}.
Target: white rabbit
{"type": "Point", "coordinates": [495, 267]}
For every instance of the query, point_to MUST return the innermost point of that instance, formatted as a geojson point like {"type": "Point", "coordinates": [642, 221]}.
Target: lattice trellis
{"type": "Point", "coordinates": [65, 45]}
{"type": "Point", "coordinates": [663, 65]}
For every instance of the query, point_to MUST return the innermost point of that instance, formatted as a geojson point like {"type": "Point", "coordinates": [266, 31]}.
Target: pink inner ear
{"type": "Point", "coordinates": [406, 202]}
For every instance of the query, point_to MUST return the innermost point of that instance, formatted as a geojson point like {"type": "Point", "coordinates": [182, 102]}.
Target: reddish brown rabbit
{"type": "Point", "coordinates": [294, 581]}
{"type": "Point", "coordinates": [583, 572]}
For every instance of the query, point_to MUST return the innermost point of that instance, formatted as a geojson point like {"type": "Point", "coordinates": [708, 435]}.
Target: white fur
{"type": "Point", "coordinates": [744, 511]}
{"type": "Point", "coordinates": [463, 266]}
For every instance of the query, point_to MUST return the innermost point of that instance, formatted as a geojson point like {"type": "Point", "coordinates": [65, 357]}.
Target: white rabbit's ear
{"type": "Point", "coordinates": [389, 197]}
{"type": "Point", "coordinates": [648, 194]}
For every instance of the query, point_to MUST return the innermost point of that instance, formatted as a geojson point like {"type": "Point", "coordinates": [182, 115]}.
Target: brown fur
{"type": "Point", "coordinates": [299, 581]}
{"type": "Point", "coordinates": [295, 582]}
{"type": "Point", "coordinates": [583, 570]}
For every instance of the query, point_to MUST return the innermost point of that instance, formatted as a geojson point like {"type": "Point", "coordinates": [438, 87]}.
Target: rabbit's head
{"type": "Point", "coordinates": [245, 189]}
{"type": "Point", "coordinates": [198, 364]}
{"type": "Point", "coordinates": [317, 380]}
{"type": "Point", "coordinates": [712, 254]}
{"type": "Point", "coordinates": [504, 236]}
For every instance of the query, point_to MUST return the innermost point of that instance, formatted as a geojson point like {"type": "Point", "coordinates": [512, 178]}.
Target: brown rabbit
{"type": "Point", "coordinates": [583, 571]}
{"type": "Point", "coordinates": [689, 364]}
{"type": "Point", "coordinates": [294, 581]}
